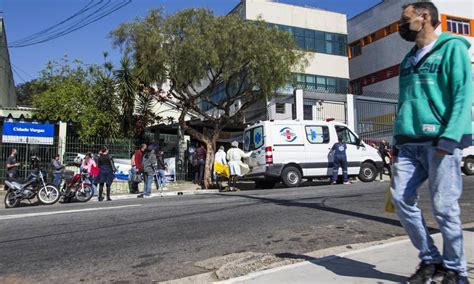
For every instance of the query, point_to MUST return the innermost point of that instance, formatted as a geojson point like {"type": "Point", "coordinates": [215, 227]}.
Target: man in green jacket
{"type": "Point", "coordinates": [432, 126]}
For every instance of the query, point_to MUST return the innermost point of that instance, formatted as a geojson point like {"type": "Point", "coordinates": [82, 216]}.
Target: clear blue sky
{"type": "Point", "coordinates": [25, 17]}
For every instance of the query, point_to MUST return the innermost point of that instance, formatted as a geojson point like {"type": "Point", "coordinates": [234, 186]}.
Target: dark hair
{"type": "Point", "coordinates": [56, 156]}
{"type": "Point", "coordinates": [104, 149]}
{"type": "Point", "coordinates": [89, 154]}
{"type": "Point", "coordinates": [12, 150]}
{"type": "Point", "coordinates": [429, 6]}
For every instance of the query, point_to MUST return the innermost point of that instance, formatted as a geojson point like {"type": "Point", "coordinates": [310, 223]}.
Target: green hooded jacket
{"type": "Point", "coordinates": [436, 96]}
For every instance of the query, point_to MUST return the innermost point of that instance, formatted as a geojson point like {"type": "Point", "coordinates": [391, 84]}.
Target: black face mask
{"type": "Point", "coordinates": [406, 33]}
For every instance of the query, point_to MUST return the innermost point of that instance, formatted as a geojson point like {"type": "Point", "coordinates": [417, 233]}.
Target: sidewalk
{"type": "Point", "coordinates": [179, 188]}
{"type": "Point", "coordinates": [387, 263]}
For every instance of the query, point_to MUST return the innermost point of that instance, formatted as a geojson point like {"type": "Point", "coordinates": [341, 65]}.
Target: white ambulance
{"type": "Point", "coordinates": [289, 151]}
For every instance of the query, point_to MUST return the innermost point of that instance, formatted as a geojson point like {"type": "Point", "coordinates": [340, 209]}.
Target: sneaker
{"type": "Point", "coordinates": [452, 277]}
{"type": "Point", "coordinates": [146, 196]}
{"type": "Point", "coordinates": [425, 272]}
{"type": "Point", "coordinates": [347, 182]}
{"type": "Point", "coordinates": [333, 183]}
{"type": "Point", "coordinates": [140, 196]}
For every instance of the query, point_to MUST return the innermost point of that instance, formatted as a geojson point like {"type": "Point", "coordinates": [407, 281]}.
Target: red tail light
{"type": "Point", "coordinates": [269, 155]}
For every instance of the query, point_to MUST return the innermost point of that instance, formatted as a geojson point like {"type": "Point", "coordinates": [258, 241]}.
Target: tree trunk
{"type": "Point", "coordinates": [210, 148]}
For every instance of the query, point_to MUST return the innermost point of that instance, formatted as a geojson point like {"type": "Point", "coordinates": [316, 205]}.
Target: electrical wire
{"type": "Point", "coordinates": [57, 31]}
{"type": "Point", "coordinates": [42, 32]}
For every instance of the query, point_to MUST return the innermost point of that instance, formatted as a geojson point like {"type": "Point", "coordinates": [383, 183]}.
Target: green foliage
{"type": "Point", "coordinates": [75, 92]}
{"type": "Point", "coordinates": [197, 51]}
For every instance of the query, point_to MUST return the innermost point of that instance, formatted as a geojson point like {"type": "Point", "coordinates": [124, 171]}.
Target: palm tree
{"type": "Point", "coordinates": [127, 87]}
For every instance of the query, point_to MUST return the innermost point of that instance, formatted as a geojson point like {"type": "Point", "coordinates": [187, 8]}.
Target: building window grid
{"type": "Point", "coordinates": [317, 41]}
{"type": "Point", "coordinates": [322, 84]}
{"type": "Point", "coordinates": [280, 108]}
{"type": "Point", "coordinates": [459, 26]}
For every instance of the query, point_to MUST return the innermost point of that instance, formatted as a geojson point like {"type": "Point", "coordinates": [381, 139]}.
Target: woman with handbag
{"type": "Point", "coordinates": [106, 172]}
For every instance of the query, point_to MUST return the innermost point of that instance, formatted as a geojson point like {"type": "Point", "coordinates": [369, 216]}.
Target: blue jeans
{"type": "Point", "coordinates": [161, 179]}
{"type": "Point", "coordinates": [416, 164]}
{"type": "Point", "coordinates": [57, 180]}
{"type": "Point", "coordinates": [147, 185]}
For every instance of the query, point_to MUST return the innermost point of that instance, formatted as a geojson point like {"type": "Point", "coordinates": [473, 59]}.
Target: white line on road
{"type": "Point", "coordinates": [17, 216]}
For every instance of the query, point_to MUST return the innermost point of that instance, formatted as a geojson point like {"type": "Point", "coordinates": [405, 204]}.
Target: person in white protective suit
{"type": "Point", "coordinates": [236, 167]}
{"type": "Point", "coordinates": [220, 158]}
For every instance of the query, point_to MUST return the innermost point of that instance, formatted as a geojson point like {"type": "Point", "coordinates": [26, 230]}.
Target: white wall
{"type": "Point", "coordinates": [296, 16]}
{"type": "Point", "coordinates": [7, 88]}
{"type": "Point", "coordinates": [327, 65]}
{"type": "Point", "coordinates": [309, 18]}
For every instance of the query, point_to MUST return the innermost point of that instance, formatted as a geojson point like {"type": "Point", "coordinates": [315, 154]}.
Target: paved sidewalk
{"type": "Point", "coordinates": [387, 263]}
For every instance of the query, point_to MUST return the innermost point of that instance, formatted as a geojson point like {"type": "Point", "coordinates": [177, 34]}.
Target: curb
{"type": "Point", "coordinates": [318, 257]}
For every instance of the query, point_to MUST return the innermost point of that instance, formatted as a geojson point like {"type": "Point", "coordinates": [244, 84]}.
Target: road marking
{"type": "Point", "coordinates": [17, 216]}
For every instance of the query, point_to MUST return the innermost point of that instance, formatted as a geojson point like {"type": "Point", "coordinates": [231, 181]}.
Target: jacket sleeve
{"type": "Point", "coordinates": [460, 91]}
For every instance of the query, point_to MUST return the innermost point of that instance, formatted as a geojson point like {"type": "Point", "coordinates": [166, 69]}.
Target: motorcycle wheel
{"type": "Point", "coordinates": [48, 195]}
{"type": "Point", "coordinates": [84, 195]}
{"type": "Point", "coordinates": [11, 201]}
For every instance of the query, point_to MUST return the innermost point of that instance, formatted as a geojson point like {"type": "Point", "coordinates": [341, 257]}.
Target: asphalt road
{"type": "Point", "coordinates": [159, 239]}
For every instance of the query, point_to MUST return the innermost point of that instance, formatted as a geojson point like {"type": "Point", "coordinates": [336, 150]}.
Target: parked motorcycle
{"type": "Point", "coordinates": [34, 186]}
{"type": "Point", "coordinates": [76, 186]}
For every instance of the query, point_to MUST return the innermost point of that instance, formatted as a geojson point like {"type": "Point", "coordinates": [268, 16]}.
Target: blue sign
{"type": "Point", "coordinates": [28, 133]}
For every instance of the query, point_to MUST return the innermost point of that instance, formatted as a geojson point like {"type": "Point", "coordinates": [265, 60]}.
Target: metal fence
{"type": "Point", "coordinates": [375, 113]}
{"type": "Point", "coordinates": [71, 146]}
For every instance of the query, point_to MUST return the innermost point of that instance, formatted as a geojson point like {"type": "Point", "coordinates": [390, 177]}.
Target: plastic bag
{"type": "Point", "coordinates": [389, 207]}
{"type": "Point", "coordinates": [222, 170]}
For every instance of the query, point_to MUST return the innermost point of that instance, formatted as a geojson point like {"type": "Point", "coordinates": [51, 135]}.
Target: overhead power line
{"type": "Point", "coordinates": [89, 14]}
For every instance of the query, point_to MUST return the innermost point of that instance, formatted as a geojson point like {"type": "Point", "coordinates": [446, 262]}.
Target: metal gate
{"type": "Point", "coordinates": [375, 117]}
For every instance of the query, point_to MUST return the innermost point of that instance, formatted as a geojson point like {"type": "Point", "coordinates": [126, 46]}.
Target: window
{"type": "Point", "coordinates": [356, 88]}
{"type": "Point", "coordinates": [322, 84]}
{"type": "Point", "coordinates": [317, 134]}
{"type": "Point", "coordinates": [318, 41]}
{"type": "Point", "coordinates": [280, 108]}
{"type": "Point", "coordinates": [253, 138]}
{"type": "Point", "coordinates": [308, 112]}
{"type": "Point", "coordinates": [347, 136]}
{"type": "Point", "coordinates": [356, 49]}
{"type": "Point", "coordinates": [459, 26]}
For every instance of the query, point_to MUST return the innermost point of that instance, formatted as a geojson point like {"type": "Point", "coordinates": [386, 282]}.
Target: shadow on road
{"type": "Point", "coordinates": [322, 207]}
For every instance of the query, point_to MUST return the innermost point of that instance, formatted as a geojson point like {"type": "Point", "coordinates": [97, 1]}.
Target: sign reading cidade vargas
{"type": "Point", "coordinates": [28, 133]}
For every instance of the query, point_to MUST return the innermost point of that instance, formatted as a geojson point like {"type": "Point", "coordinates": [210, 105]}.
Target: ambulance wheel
{"type": "Point", "coordinates": [291, 176]}
{"type": "Point", "coordinates": [468, 167]}
{"type": "Point", "coordinates": [368, 172]}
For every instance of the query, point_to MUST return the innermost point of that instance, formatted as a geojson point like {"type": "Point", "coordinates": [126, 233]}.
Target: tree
{"type": "Point", "coordinates": [80, 93]}
{"type": "Point", "coordinates": [199, 54]}
{"type": "Point", "coordinates": [25, 92]}
{"type": "Point", "coordinates": [127, 85]}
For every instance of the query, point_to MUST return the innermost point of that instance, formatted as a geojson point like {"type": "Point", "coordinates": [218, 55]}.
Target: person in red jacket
{"type": "Point", "coordinates": [136, 161]}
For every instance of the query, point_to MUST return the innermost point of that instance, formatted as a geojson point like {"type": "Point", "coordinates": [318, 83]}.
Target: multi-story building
{"type": "Point", "coordinates": [7, 86]}
{"type": "Point", "coordinates": [376, 49]}
{"type": "Point", "coordinates": [323, 36]}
